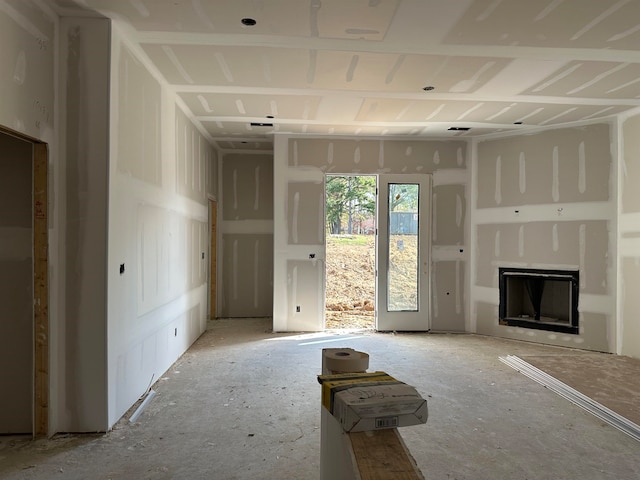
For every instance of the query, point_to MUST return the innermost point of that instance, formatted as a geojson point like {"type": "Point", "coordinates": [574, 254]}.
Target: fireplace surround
{"type": "Point", "coordinates": [539, 299]}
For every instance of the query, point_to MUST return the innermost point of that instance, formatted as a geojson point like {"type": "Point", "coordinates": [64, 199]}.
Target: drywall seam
{"type": "Point", "coordinates": [256, 271]}
{"type": "Point", "coordinates": [582, 171]}
{"type": "Point", "coordinates": [523, 173]}
{"type": "Point", "coordinates": [434, 286]}
{"type": "Point", "coordinates": [543, 266]}
{"type": "Point", "coordinates": [434, 223]}
{"type": "Point", "coordinates": [560, 212]}
{"type": "Point", "coordinates": [246, 227]}
{"type": "Point", "coordinates": [441, 253]}
{"type": "Point", "coordinates": [590, 302]}
{"type": "Point", "coordinates": [627, 222]}
{"type": "Point", "coordinates": [234, 271]}
{"type": "Point", "coordinates": [555, 180]}
{"type": "Point", "coordinates": [459, 288]}
{"type": "Point", "coordinates": [256, 202]}
{"type": "Point", "coordinates": [498, 192]}
{"type": "Point", "coordinates": [487, 294]}
{"type": "Point", "coordinates": [471, 317]}
{"type": "Point", "coordinates": [294, 219]}
{"type": "Point", "coordinates": [629, 247]}
{"type": "Point", "coordinates": [450, 176]}
{"type": "Point", "coordinates": [125, 37]}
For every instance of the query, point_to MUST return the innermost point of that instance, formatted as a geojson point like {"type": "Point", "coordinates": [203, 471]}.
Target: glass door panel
{"type": "Point", "coordinates": [403, 253]}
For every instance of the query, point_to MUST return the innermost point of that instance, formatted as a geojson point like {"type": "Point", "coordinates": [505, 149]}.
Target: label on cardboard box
{"type": "Point", "coordinates": [370, 401]}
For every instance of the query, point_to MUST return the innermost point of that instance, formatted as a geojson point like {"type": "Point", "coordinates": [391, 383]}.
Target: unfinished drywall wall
{"type": "Point", "coordinates": [246, 230]}
{"type": "Point", "coordinates": [162, 173]}
{"type": "Point", "coordinates": [307, 228]}
{"type": "Point", "coordinates": [564, 166]}
{"type": "Point", "coordinates": [300, 166]}
{"type": "Point", "coordinates": [29, 43]}
{"type": "Point", "coordinates": [629, 242]}
{"type": "Point", "coordinates": [85, 80]}
{"type": "Point", "coordinates": [547, 201]}
{"type": "Point", "coordinates": [247, 274]}
{"type": "Point", "coordinates": [449, 226]}
{"type": "Point", "coordinates": [16, 284]}
{"type": "Point", "coordinates": [27, 82]}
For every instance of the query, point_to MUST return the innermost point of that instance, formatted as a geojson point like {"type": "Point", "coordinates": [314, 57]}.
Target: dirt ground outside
{"type": "Point", "coordinates": [350, 278]}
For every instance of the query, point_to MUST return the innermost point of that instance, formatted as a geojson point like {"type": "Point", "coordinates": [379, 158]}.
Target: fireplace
{"type": "Point", "coordinates": [539, 299]}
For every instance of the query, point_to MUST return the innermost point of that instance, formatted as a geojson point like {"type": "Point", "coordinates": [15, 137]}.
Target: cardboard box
{"type": "Point", "coordinates": [371, 401]}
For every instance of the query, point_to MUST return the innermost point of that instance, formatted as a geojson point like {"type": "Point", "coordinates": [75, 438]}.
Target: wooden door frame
{"type": "Point", "coordinates": [213, 257]}
{"type": "Point", "coordinates": [40, 162]}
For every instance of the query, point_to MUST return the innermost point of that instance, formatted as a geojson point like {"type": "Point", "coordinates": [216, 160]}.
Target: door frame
{"type": "Point", "coordinates": [40, 244]}
{"type": "Point", "coordinates": [375, 246]}
{"type": "Point", "coordinates": [410, 320]}
{"type": "Point", "coordinates": [213, 259]}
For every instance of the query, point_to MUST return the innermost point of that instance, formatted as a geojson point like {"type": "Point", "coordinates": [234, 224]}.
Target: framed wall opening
{"type": "Point", "coordinates": [350, 242]}
{"type": "Point", "coordinates": [38, 347]}
{"type": "Point", "coordinates": [539, 299]}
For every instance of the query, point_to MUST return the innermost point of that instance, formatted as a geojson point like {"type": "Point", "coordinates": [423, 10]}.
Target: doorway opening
{"type": "Point", "coordinates": [350, 216]}
{"type": "Point", "coordinates": [24, 324]}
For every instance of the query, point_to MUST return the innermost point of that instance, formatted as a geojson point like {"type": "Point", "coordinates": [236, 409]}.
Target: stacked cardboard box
{"type": "Point", "coordinates": [370, 401]}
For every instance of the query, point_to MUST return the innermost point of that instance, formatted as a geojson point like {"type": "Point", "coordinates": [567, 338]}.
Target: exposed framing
{"type": "Point", "coordinates": [213, 258]}
{"type": "Point", "coordinates": [40, 291]}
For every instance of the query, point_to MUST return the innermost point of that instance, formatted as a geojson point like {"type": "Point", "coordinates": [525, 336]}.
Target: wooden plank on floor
{"type": "Point", "coordinates": [382, 455]}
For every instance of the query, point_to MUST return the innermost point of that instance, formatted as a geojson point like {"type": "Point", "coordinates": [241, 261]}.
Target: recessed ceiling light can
{"type": "Point", "coordinates": [428, 88]}
{"type": "Point", "coordinates": [249, 22]}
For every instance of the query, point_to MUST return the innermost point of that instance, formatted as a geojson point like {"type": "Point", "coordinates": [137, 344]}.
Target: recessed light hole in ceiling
{"type": "Point", "coordinates": [459, 129]}
{"type": "Point", "coordinates": [248, 22]}
{"type": "Point", "coordinates": [428, 88]}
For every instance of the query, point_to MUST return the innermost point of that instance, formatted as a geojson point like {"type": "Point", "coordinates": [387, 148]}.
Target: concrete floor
{"type": "Point", "coordinates": [243, 403]}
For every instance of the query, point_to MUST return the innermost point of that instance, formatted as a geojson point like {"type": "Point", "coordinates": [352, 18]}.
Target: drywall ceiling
{"type": "Point", "coordinates": [358, 67]}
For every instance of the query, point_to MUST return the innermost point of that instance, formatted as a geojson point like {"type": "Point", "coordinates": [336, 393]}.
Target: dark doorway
{"type": "Point", "coordinates": [24, 284]}
{"type": "Point", "coordinates": [16, 284]}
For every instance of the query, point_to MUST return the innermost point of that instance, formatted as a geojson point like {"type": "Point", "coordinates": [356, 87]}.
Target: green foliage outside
{"type": "Point", "coordinates": [403, 197]}
{"type": "Point", "coordinates": [350, 200]}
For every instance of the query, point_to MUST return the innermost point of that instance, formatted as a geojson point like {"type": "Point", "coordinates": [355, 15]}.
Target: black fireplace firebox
{"type": "Point", "coordinates": [540, 299]}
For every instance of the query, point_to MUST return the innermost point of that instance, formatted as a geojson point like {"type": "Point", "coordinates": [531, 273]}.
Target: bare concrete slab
{"type": "Point", "coordinates": [611, 380]}
{"type": "Point", "coordinates": [244, 403]}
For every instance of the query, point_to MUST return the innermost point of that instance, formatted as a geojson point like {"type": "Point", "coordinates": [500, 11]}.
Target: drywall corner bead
{"type": "Point", "coordinates": [498, 187]}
